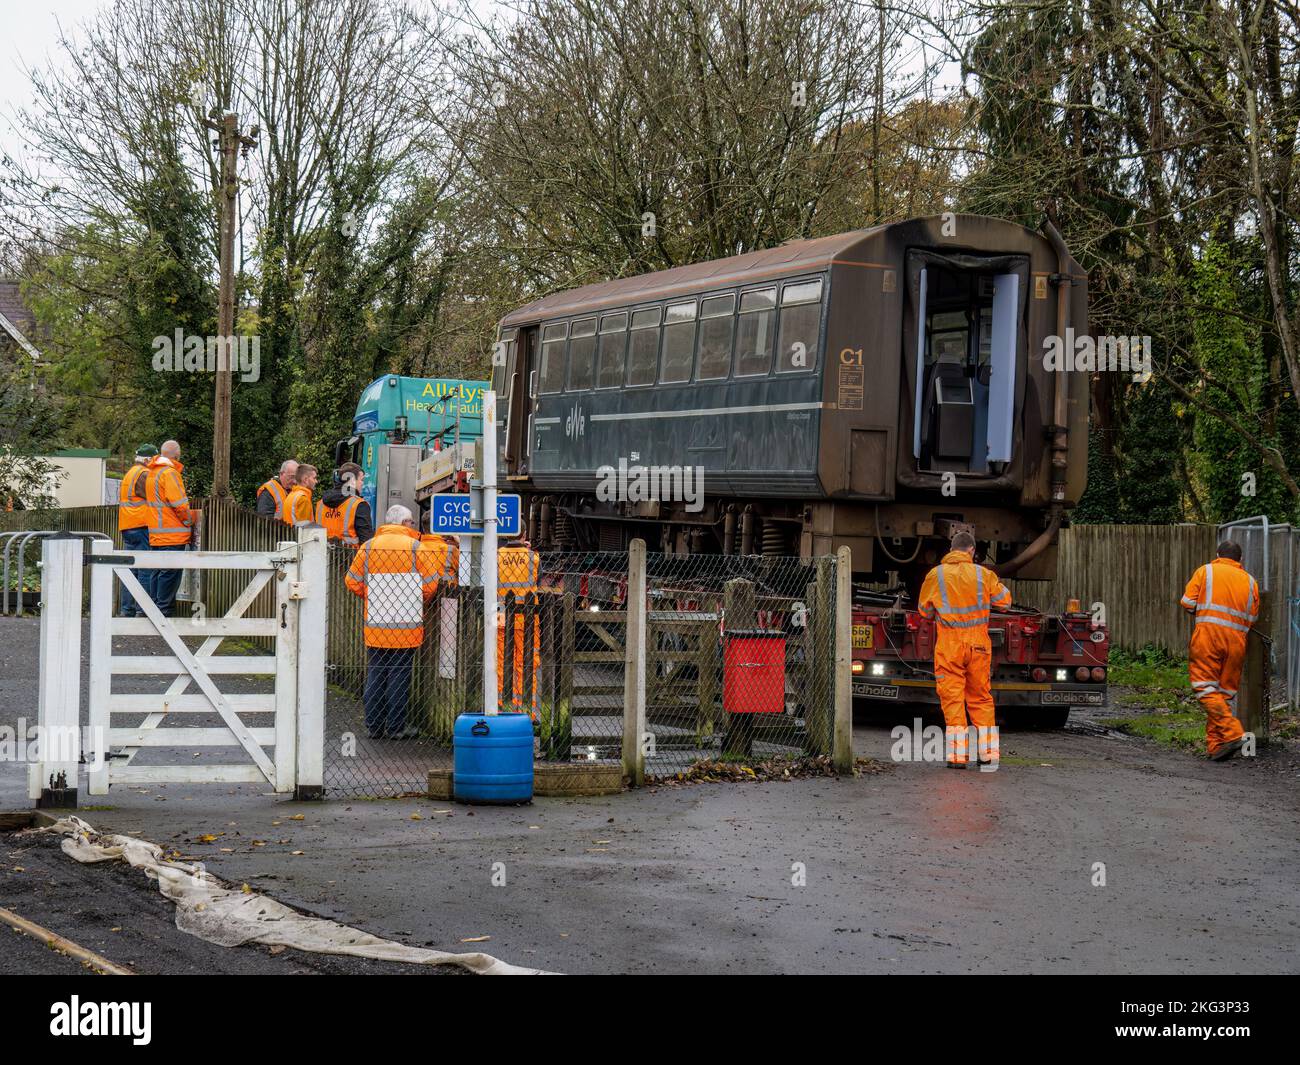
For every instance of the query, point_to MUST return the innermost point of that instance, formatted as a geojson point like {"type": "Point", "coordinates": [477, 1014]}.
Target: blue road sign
{"type": "Point", "coordinates": [456, 514]}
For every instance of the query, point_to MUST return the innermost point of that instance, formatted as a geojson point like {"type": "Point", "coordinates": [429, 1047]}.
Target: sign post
{"type": "Point", "coordinates": [489, 556]}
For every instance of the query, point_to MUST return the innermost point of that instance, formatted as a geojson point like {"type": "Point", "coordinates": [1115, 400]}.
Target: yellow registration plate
{"type": "Point", "coordinates": [862, 635]}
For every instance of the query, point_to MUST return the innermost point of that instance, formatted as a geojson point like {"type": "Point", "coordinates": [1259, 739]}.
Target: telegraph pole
{"type": "Point", "coordinates": [230, 142]}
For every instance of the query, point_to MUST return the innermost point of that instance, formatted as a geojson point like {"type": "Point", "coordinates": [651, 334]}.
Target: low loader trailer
{"type": "Point", "coordinates": [1043, 664]}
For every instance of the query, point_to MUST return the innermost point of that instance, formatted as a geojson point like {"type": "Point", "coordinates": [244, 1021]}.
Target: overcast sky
{"type": "Point", "coordinates": [31, 32]}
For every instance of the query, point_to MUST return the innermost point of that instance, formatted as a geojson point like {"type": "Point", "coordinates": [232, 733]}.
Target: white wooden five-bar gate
{"type": "Point", "coordinates": [180, 681]}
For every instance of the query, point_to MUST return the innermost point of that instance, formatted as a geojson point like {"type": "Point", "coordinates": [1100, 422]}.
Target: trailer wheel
{"type": "Point", "coordinates": [1052, 719]}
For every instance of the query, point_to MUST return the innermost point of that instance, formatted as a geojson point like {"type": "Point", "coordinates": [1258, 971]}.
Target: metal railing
{"type": "Point", "coordinates": [1271, 554]}
{"type": "Point", "coordinates": [21, 539]}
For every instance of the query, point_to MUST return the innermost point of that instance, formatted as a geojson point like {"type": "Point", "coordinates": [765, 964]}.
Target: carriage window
{"type": "Point", "coordinates": [551, 378]}
{"type": "Point", "coordinates": [679, 343]}
{"type": "Point", "coordinates": [754, 333]}
{"type": "Point", "coordinates": [717, 324]}
{"type": "Point", "coordinates": [582, 354]}
{"type": "Point", "coordinates": [644, 358]}
{"type": "Point", "coordinates": [801, 318]}
{"type": "Point", "coordinates": [613, 347]}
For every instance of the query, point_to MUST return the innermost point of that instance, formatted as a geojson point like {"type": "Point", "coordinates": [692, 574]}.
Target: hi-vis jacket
{"type": "Point", "coordinates": [396, 574]}
{"type": "Point", "coordinates": [958, 594]}
{"type": "Point", "coordinates": [170, 520]}
{"type": "Point", "coordinates": [297, 506]}
{"type": "Point", "coordinates": [340, 522]}
{"type": "Point", "coordinates": [132, 509]}
{"type": "Point", "coordinates": [277, 493]}
{"type": "Point", "coordinates": [517, 572]}
{"type": "Point", "coordinates": [1223, 594]}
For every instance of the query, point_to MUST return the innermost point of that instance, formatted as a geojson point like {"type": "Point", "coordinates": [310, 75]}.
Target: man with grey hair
{"type": "Point", "coordinates": [395, 575]}
{"type": "Point", "coordinates": [271, 495]}
{"type": "Point", "coordinates": [171, 522]}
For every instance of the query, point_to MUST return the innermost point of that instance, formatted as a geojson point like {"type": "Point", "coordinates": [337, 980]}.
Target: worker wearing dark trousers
{"type": "Point", "coordinates": [170, 520]}
{"type": "Point", "coordinates": [133, 524]}
{"type": "Point", "coordinates": [396, 576]}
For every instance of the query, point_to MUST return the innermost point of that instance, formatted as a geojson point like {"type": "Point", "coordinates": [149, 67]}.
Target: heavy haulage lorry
{"type": "Point", "coordinates": [413, 437]}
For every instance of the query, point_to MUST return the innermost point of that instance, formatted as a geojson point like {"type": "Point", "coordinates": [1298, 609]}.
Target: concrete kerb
{"type": "Point", "coordinates": [572, 780]}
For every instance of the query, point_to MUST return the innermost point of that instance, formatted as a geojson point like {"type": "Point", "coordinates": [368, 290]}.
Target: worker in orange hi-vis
{"type": "Point", "coordinates": [298, 508]}
{"type": "Point", "coordinates": [957, 595]}
{"type": "Point", "coordinates": [1224, 599]}
{"type": "Point", "coordinates": [518, 568]}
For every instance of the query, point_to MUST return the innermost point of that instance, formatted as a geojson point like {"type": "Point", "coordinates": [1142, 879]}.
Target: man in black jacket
{"type": "Point", "coordinates": [342, 510]}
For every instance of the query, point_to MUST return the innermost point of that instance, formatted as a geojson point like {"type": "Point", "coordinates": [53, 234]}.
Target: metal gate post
{"type": "Point", "coordinates": [52, 780]}
{"type": "Point", "coordinates": [313, 638]}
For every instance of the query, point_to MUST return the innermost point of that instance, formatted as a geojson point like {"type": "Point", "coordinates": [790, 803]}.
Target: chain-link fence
{"type": "Point", "coordinates": [738, 661]}
{"type": "Point", "coordinates": [738, 656]}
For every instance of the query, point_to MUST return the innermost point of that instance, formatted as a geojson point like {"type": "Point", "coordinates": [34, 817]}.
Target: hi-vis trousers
{"type": "Point", "coordinates": [963, 674]}
{"type": "Point", "coordinates": [1214, 668]}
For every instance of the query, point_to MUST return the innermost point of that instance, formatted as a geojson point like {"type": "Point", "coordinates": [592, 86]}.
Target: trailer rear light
{"type": "Point", "coordinates": [912, 623]}
{"type": "Point", "coordinates": [858, 666]}
{"type": "Point", "coordinates": [1072, 606]}
{"type": "Point", "coordinates": [1062, 674]}
{"type": "Point", "coordinates": [1082, 673]}
{"type": "Point", "coordinates": [1039, 674]}
{"type": "Point", "coordinates": [877, 669]}
{"type": "Point", "coordinates": [1098, 674]}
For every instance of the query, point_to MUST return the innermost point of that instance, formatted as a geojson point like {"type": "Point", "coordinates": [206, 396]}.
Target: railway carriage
{"type": "Point", "coordinates": [877, 389]}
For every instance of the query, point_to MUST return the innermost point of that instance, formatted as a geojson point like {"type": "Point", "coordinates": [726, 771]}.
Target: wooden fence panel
{"type": "Point", "coordinates": [1137, 571]}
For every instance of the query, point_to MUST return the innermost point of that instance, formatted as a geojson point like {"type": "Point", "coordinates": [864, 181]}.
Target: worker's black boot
{"type": "Point", "coordinates": [1228, 750]}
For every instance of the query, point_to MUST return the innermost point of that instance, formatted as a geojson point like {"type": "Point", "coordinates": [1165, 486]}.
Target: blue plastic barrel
{"type": "Point", "coordinates": [493, 758]}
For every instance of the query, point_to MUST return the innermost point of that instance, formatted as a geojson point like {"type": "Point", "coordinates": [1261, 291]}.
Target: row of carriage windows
{"type": "Point", "coordinates": [703, 340]}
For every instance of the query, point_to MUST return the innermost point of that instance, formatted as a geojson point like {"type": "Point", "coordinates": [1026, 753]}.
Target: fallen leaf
{"type": "Point", "coordinates": [416, 817]}
{"type": "Point", "coordinates": [245, 889]}
{"type": "Point", "coordinates": [278, 949]}
{"type": "Point", "coordinates": [476, 939]}
{"type": "Point", "coordinates": [208, 838]}
{"type": "Point", "coordinates": [297, 852]}
{"type": "Point", "coordinates": [227, 850]}
{"type": "Point", "coordinates": [298, 817]}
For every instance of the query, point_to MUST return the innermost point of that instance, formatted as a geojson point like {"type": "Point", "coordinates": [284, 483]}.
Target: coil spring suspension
{"type": "Point", "coordinates": [773, 538]}
{"type": "Point", "coordinates": [563, 531]}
